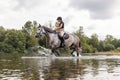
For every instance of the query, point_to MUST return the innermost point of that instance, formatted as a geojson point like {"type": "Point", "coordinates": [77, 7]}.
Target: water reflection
{"type": "Point", "coordinates": [11, 69]}
{"type": "Point", "coordinates": [60, 69]}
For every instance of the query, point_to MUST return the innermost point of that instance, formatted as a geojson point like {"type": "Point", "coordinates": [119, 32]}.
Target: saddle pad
{"type": "Point", "coordinates": [66, 36]}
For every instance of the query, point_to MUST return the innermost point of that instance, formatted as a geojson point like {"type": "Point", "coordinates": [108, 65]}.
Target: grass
{"type": "Point", "coordinates": [10, 56]}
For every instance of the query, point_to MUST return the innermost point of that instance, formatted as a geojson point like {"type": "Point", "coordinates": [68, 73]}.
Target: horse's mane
{"type": "Point", "coordinates": [48, 29]}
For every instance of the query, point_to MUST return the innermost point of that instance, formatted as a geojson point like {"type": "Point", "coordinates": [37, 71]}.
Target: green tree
{"type": "Point", "coordinates": [116, 43]}
{"type": "Point", "coordinates": [109, 47]}
{"type": "Point", "coordinates": [2, 34]}
{"type": "Point", "coordinates": [109, 39]}
{"type": "Point", "coordinates": [16, 39]}
{"type": "Point", "coordinates": [101, 46]}
{"type": "Point", "coordinates": [94, 41]}
{"type": "Point", "coordinates": [87, 48]}
{"type": "Point", "coordinates": [29, 30]}
{"type": "Point", "coordinates": [109, 43]}
{"type": "Point", "coordinates": [28, 27]}
{"type": "Point", "coordinates": [5, 48]}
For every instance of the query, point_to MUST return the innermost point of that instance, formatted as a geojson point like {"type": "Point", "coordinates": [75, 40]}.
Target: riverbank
{"type": "Point", "coordinates": [19, 55]}
{"type": "Point", "coordinates": [109, 52]}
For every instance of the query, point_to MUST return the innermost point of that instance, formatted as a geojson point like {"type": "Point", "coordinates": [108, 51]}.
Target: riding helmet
{"type": "Point", "coordinates": [59, 18]}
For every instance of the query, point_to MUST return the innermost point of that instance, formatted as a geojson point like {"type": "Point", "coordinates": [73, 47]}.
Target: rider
{"type": "Point", "coordinates": [60, 29]}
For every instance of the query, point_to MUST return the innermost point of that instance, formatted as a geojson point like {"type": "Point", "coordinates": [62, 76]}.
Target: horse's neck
{"type": "Point", "coordinates": [51, 36]}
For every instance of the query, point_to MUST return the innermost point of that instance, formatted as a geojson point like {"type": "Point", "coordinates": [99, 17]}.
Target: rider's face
{"type": "Point", "coordinates": [59, 20]}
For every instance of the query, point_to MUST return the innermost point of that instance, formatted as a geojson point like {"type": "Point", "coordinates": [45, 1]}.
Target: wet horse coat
{"type": "Point", "coordinates": [71, 41]}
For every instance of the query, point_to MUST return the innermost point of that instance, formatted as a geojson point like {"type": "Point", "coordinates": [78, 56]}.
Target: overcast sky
{"type": "Point", "coordinates": [96, 16]}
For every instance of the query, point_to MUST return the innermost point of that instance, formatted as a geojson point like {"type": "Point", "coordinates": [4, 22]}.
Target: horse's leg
{"type": "Point", "coordinates": [58, 52]}
{"type": "Point", "coordinates": [55, 51]}
{"type": "Point", "coordinates": [52, 51]}
{"type": "Point", "coordinates": [72, 52]}
{"type": "Point", "coordinates": [78, 54]}
{"type": "Point", "coordinates": [77, 50]}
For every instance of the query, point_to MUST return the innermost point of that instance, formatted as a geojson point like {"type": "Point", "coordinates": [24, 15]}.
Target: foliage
{"type": "Point", "coordinates": [117, 50]}
{"type": "Point", "coordinates": [19, 41]}
{"type": "Point", "coordinates": [93, 44]}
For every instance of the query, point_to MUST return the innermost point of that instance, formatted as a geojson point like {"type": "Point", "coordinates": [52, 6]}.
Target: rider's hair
{"type": "Point", "coordinates": [59, 18]}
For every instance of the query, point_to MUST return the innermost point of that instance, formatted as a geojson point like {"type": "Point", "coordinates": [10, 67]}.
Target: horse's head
{"type": "Point", "coordinates": [40, 31]}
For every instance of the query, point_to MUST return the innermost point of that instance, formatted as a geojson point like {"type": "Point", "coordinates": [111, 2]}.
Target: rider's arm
{"type": "Point", "coordinates": [59, 27]}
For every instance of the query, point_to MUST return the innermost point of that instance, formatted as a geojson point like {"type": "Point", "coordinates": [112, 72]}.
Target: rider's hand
{"type": "Point", "coordinates": [57, 28]}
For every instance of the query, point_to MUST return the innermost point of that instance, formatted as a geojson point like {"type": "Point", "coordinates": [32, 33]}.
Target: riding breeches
{"type": "Point", "coordinates": [61, 33]}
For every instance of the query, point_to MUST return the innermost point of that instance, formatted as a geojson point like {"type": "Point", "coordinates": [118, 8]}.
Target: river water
{"type": "Point", "coordinates": [101, 67]}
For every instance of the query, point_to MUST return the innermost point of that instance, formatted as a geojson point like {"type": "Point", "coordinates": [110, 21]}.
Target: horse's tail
{"type": "Point", "coordinates": [80, 45]}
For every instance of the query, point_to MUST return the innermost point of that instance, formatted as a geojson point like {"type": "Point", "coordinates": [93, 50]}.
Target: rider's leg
{"type": "Point", "coordinates": [62, 39]}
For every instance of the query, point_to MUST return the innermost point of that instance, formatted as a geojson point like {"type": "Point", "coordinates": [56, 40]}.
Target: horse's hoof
{"type": "Point", "coordinates": [79, 56]}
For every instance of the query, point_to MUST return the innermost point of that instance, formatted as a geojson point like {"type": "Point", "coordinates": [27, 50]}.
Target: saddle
{"type": "Point", "coordinates": [65, 36]}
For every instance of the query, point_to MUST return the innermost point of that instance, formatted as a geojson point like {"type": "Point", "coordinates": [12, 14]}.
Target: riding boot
{"type": "Point", "coordinates": [62, 42]}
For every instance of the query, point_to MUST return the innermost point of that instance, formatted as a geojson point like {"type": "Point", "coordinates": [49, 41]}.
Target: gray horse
{"type": "Point", "coordinates": [71, 42]}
